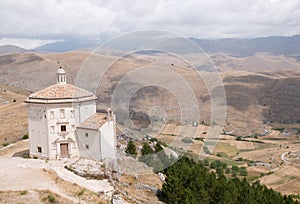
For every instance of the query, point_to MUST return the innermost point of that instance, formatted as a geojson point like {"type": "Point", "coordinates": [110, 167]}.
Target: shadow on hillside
{"type": "Point", "coordinates": [279, 98]}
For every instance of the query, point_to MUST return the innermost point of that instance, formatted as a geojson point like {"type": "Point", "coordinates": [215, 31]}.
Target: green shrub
{"type": "Point", "coordinates": [233, 173]}
{"type": "Point", "coordinates": [235, 168]}
{"type": "Point", "coordinates": [131, 149]}
{"type": "Point", "coordinates": [206, 162]}
{"type": "Point", "coordinates": [199, 138]}
{"type": "Point", "coordinates": [23, 192]}
{"type": "Point", "coordinates": [243, 171]}
{"type": "Point", "coordinates": [80, 193]}
{"type": "Point", "coordinates": [227, 171]}
{"type": "Point", "coordinates": [220, 170]}
{"type": "Point", "coordinates": [158, 147]}
{"type": "Point", "coordinates": [146, 149]}
{"type": "Point", "coordinates": [25, 137]}
{"type": "Point", "coordinates": [51, 198]}
{"type": "Point", "coordinates": [239, 138]}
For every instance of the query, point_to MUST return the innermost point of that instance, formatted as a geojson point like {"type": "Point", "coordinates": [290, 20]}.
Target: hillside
{"type": "Point", "coordinates": [13, 114]}
{"type": "Point", "coordinates": [259, 88]}
{"type": "Point", "coordinates": [9, 49]}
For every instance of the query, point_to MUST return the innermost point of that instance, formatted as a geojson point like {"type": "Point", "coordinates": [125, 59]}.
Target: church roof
{"type": "Point", "coordinates": [94, 122]}
{"type": "Point", "coordinates": [61, 91]}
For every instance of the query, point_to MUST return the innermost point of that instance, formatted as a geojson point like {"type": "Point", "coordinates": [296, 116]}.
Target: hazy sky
{"type": "Point", "coordinates": [191, 18]}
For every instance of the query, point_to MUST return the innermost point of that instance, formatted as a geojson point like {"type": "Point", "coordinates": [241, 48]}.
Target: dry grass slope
{"type": "Point", "coordinates": [13, 115]}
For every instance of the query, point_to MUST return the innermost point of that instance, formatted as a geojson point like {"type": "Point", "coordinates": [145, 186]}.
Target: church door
{"type": "Point", "coordinates": [64, 151]}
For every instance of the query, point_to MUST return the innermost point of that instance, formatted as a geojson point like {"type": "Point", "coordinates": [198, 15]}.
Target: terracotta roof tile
{"type": "Point", "coordinates": [61, 91]}
{"type": "Point", "coordinates": [94, 122]}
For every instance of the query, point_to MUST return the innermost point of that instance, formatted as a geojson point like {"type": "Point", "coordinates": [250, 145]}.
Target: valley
{"type": "Point", "coordinates": [262, 101]}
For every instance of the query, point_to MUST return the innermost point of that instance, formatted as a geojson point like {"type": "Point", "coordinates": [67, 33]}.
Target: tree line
{"type": "Point", "coordinates": [188, 181]}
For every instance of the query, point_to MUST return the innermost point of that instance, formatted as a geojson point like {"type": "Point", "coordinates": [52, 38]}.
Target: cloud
{"type": "Point", "coordinates": [197, 18]}
{"type": "Point", "coordinates": [26, 43]}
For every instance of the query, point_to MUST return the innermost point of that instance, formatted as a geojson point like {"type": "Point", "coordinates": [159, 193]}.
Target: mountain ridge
{"type": "Point", "coordinates": [274, 45]}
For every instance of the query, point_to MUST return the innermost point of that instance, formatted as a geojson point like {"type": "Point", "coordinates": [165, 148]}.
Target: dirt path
{"type": "Point", "coordinates": [283, 158]}
{"type": "Point", "coordinates": [17, 174]}
{"type": "Point", "coordinates": [14, 178]}
{"type": "Point", "coordinates": [10, 150]}
{"type": "Point", "coordinates": [57, 167]}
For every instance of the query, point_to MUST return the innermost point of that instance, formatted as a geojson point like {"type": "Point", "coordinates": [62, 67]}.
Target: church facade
{"type": "Point", "coordinates": [63, 123]}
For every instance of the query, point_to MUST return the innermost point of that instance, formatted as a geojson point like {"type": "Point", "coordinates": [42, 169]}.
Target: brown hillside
{"type": "Point", "coordinates": [258, 88]}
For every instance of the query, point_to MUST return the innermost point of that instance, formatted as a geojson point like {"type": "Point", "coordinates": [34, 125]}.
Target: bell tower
{"type": "Point", "coordinates": [61, 76]}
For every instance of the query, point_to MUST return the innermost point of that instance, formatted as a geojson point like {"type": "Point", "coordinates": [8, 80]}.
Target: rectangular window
{"type": "Point", "coordinates": [62, 113]}
{"type": "Point", "coordinates": [72, 113]}
{"type": "Point", "coordinates": [52, 114]}
{"type": "Point", "coordinates": [52, 129]}
{"type": "Point", "coordinates": [63, 128]}
{"type": "Point", "coordinates": [86, 134]}
{"type": "Point", "coordinates": [87, 146]}
{"type": "Point", "coordinates": [39, 149]}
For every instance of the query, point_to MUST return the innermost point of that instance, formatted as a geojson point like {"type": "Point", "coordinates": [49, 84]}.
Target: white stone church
{"type": "Point", "coordinates": [63, 123]}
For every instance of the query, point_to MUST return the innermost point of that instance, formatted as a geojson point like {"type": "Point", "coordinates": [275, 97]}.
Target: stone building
{"type": "Point", "coordinates": [63, 123]}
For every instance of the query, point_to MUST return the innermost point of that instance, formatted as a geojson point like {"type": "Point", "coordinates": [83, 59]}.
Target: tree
{"type": "Point", "coordinates": [190, 182]}
{"type": "Point", "coordinates": [220, 170]}
{"type": "Point", "coordinates": [158, 147]}
{"type": "Point", "coordinates": [239, 138]}
{"type": "Point", "coordinates": [213, 165]}
{"type": "Point", "coordinates": [146, 149]}
{"type": "Point", "coordinates": [206, 162]}
{"type": "Point", "coordinates": [227, 171]}
{"type": "Point", "coordinates": [131, 149]}
{"type": "Point", "coordinates": [235, 168]}
{"type": "Point", "coordinates": [233, 173]}
{"type": "Point", "coordinates": [243, 171]}
{"type": "Point", "coordinates": [147, 155]}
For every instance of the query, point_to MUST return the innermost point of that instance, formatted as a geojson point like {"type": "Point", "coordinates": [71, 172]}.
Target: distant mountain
{"type": "Point", "coordinates": [10, 49]}
{"type": "Point", "coordinates": [247, 47]}
{"type": "Point", "coordinates": [69, 44]}
{"type": "Point", "coordinates": [234, 47]}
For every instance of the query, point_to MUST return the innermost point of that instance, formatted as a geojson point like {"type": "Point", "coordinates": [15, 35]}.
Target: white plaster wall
{"type": "Point", "coordinates": [86, 109]}
{"type": "Point", "coordinates": [76, 113]}
{"type": "Point", "coordinates": [92, 140]}
{"type": "Point", "coordinates": [40, 122]}
{"type": "Point", "coordinates": [108, 140]}
{"type": "Point", "coordinates": [37, 130]}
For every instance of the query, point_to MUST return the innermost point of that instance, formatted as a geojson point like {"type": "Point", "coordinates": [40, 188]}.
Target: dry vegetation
{"type": "Point", "coordinates": [31, 196]}
{"type": "Point", "coordinates": [13, 115]}
{"type": "Point", "coordinates": [130, 185]}
{"type": "Point", "coordinates": [259, 89]}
